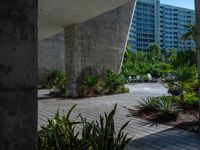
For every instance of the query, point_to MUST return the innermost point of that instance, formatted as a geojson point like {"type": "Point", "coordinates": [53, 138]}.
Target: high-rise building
{"type": "Point", "coordinates": [156, 23]}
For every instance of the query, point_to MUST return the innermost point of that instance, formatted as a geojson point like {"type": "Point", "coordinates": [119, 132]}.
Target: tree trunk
{"type": "Point", "coordinates": [197, 33]}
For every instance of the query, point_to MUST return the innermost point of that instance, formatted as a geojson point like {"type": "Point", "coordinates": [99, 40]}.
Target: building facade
{"type": "Point", "coordinates": [156, 23]}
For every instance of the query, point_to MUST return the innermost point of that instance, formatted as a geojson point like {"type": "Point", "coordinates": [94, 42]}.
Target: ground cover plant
{"type": "Point", "coordinates": [167, 110]}
{"type": "Point", "coordinates": [61, 133]}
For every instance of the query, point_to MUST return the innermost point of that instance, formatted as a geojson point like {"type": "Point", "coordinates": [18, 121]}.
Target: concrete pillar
{"type": "Point", "coordinates": [18, 74]}
{"type": "Point", "coordinates": [94, 46]}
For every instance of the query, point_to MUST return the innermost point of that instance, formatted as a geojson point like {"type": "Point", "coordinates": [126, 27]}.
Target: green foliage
{"type": "Point", "coordinates": [191, 99]}
{"type": "Point", "coordinates": [150, 103]}
{"type": "Point", "coordinates": [145, 78]}
{"type": "Point", "coordinates": [113, 84]}
{"type": "Point", "coordinates": [114, 81]}
{"type": "Point", "coordinates": [185, 75]}
{"type": "Point", "coordinates": [166, 106]}
{"type": "Point", "coordinates": [141, 63]}
{"type": "Point", "coordinates": [91, 81]}
{"type": "Point", "coordinates": [60, 134]}
{"type": "Point", "coordinates": [121, 89]}
{"type": "Point", "coordinates": [183, 58]}
{"type": "Point", "coordinates": [58, 84]}
{"type": "Point", "coordinates": [190, 34]}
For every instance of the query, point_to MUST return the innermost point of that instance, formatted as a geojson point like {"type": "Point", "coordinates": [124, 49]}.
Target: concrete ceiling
{"type": "Point", "coordinates": [54, 15]}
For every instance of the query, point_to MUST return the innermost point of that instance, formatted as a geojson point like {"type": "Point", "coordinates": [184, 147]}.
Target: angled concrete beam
{"type": "Point", "coordinates": [96, 45]}
{"type": "Point", "coordinates": [18, 74]}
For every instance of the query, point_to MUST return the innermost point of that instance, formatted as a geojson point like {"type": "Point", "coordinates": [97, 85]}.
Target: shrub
{"type": "Point", "coordinates": [150, 103]}
{"type": "Point", "coordinates": [145, 78]}
{"type": "Point", "coordinates": [91, 81]}
{"type": "Point", "coordinates": [191, 99]}
{"type": "Point", "coordinates": [185, 75]}
{"type": "Point", "coordinates": [121, 89]}
{"type": "Point", "coordinates": [60, 134]}
{"type": "Point", "coordinates": [167, 106]}
{"type": "Point", "coordinates": [115, 82]}
{"type": "Point", "coordinates": [49, 80]}
{"type": "Point", "coordinates": [58, 84]}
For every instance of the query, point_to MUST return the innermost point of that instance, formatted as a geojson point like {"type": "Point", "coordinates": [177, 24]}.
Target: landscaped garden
{"type": "Point", "coordinates": [178, 72]}
{"type": "Point", "coordinates": [89, 86]}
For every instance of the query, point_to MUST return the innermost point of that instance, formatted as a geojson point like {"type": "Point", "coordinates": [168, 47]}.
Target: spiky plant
{"type": "Point", "coordinates": [150, 103]}
{"type": "Point", "coordinates": [166, 106]}
{"type": "Point", "coordinates": [61, 134]}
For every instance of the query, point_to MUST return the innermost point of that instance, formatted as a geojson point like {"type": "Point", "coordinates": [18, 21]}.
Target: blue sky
{"type": "Point", "coordinates": [181, 3]}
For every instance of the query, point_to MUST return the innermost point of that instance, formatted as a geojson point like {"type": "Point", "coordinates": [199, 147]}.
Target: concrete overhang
{"type": "Point", "coordinates": [54, 15]}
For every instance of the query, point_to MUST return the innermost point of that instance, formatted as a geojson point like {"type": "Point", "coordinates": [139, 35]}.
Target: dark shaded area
{"type": "Point", "coordinates": [171, 139]}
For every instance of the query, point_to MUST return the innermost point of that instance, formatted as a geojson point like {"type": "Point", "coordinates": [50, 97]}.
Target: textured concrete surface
{"type": "Point", "coordinates": [51, 54]}
{"type": "Point", "coordinates": [96, 45]}
{"type": "Point", "coordinates": [18, 74]}
{"type": "Point", "coordinates": [146, 136]}
{"type": "Point", "coordinates": [54, 15]}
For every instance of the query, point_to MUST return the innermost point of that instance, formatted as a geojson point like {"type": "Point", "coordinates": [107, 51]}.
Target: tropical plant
{"type": "Point", "coordinates": [114, 81]}
{"type": "Point", "coordinates": [58, 85]}
{"type": "Point", "coordinates": [184, 75]}
{"type": "Point", "coordinates": [89, 85]}
{"type": "Point", "coordinates": [191, 99]}
{"type": "Point", "coordinates": [190, 33]}
{"type": "Point", "coordinates": [150, 103]}
{"type": "Point", "coordinates": [60, 134]}
{"type": "Point", "coordinates": [166, 106]}
{"type": "Point", "coordinates": [91, 81]}
{"type": "Point", "coordinates": [183, 58]}
{"type": "Point", "coordinates": [154, 53]}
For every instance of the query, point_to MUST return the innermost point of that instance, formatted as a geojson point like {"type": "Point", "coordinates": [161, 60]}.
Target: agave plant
{"type": "Point", "coordinates": [150, 103]}
{"type": "Point", "coordinates": [166, 106]}
{"type": "Point", "coordinates": [61, 134]}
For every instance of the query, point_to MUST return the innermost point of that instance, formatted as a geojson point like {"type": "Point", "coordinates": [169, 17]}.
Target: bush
{"type": "Point", "coordinates": [60, 134]}
{"type": "Point", "coordinates": [115, 82]}
{"type": "Point", "coordinates": [91, 81]}
{"type": "Point", "coordinates": [58, 85]}
{"type": "Point", "coordinates": [191, 99]}
{"type": "Point", "coordinates": [145, 78]}
{"type": "Point", "coordinates": [167, 106]}
{"type": "Point", "coordinates": [121, 89]}
{"type": "Point", "coordinates": [150, 103]}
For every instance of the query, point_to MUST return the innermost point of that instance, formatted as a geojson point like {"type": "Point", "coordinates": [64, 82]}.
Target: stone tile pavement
{"type": "Point", "coordinates": [146, 136]}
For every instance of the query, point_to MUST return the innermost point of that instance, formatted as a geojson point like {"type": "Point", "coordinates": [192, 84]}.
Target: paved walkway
{"type": "Point", "coordinates": [146, 136]}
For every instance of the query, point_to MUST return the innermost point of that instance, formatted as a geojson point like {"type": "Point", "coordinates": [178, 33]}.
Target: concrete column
{"type": "Point", "coordinates": [94, 46]}
{"type": "Point", "coordinates": [18, 74]}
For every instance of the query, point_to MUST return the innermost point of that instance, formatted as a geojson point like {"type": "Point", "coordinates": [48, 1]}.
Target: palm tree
{"type": "Point", "coordinates": [197, 38]}
{"type": "Point", "coordinates": [190, 34]}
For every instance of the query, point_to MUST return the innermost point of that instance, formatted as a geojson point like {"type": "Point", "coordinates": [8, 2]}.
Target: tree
{"type": "Point", "coordinates": [154, 53]}
{"type": "Point", "coordinates": [184, 75]}
{"type": "Point", "coordinates": [190, 34]}
{"type": "Point", "coordinates": [197, 38]}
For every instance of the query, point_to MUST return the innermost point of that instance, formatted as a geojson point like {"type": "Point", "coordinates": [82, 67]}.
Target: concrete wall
{"type": "Point", "coordinates": [96, 45]}
{"type": "Point", "coordinates": [51, 55]}
{"type": "Point", "coordinates": [18, 74]}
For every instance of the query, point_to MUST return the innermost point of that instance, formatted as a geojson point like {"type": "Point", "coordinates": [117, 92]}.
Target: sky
{"type": "Point", "coordinates": [181, 3]}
